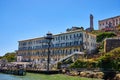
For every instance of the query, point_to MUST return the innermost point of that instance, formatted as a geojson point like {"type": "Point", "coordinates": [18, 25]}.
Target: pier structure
{"type": "Point", "coordinates": [12, 68]}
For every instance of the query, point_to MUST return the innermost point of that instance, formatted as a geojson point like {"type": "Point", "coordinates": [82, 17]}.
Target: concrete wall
{"type": "Point", "coordinates": [110, 44]}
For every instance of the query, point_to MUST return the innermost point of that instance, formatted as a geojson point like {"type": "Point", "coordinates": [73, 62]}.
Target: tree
{"type": "Point", "coordinates": [84, 64]}
{"type": "Point", "coordinates": [10, 56]}
{"type": "Point", "coordinates": [102, 36]}
{"type": "Point", "coordinates": [0, 57]}
{"type": "Point", "coordinates": [110, 60]}
{"type": "Point", "coordinates": [118, 27]}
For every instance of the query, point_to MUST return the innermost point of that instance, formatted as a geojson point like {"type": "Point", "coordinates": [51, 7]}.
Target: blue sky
{"type": "Point", "coordinates": [24, 19]}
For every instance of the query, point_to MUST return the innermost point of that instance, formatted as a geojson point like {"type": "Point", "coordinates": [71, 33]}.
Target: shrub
{"type": "Point", "coordinates": [110, 60]}
{"type": "Point", "coordinates": [99, 75]}
{"type": "Point", "coordinates": [102, 36]}
{"type": "Point", "coordinates": [117, 77]}
{"type": "Point", "coordinates": [74, 73]}
{"type": "Point", "coordinates": [84, 64]}
{"type": "Point", "coordinates": [59, 65]}
{"type": "Point", "coordinates": [91, 74]}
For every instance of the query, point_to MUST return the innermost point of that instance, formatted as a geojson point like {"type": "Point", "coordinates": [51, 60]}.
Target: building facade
{"type": "Point", "coordinates": [63, 44]}
{"type": "Point", "coordinates": [111, 43]}
{"type": "Point", "coordinates": [109, 23]}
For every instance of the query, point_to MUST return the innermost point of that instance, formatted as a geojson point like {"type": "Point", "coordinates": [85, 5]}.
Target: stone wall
{"type": "Point", "coordinates": [110, 44]}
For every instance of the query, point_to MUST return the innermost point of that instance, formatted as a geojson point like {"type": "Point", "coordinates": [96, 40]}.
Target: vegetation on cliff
{"type": "Point", "coordinates": [103, 35]}
{"type": "Point", "coordinates": [110, 60]}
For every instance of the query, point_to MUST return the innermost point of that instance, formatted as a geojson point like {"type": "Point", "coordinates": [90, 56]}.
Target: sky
{"type": "Point", "coordinates": [26, 19]}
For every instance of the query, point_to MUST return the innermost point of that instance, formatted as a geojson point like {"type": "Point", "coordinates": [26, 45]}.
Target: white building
{"type": "Point", "coordinates": [63, 44]}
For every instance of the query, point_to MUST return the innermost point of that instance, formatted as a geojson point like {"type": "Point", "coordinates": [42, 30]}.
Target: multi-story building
{"type": "Point", "coordinates": [63, 44]}
{"type": "Point", "coordinates": [109, 23]}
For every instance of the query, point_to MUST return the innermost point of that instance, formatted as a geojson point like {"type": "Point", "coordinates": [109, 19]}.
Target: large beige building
{"type": "Point", "coordinates": [63, 44]}
{"type": "Point", "coordinates": [109, 23]}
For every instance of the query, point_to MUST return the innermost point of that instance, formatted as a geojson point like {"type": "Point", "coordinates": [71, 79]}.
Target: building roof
{"type": "Point", "coordinates": [67, 32]}
{"type": "Point", "coordinates": [109, 18]}
{"type": "Point", "coordinates": [112, 38]}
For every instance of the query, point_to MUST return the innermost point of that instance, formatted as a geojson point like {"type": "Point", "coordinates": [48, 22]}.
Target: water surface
{"type": "Point", "coordinates": [34, 76]}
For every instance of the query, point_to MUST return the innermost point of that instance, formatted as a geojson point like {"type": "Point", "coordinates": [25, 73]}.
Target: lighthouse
{"type": "Point", "coordinates": [91, 22]}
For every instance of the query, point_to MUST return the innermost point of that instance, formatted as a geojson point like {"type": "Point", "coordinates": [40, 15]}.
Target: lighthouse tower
{"type": "Point", "coordinates": [91, 22]}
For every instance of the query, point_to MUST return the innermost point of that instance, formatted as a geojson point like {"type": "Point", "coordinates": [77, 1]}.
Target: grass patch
{"type": "Point", "coordinates": [31, 76]}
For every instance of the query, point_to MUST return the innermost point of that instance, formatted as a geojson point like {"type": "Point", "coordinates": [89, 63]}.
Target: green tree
{"type": "Point", "coordinates": [84, 64]}
{"type": "Point", "coordinates": [110, 60]}
{"type": "Point", "coordinates": [102, 36]}
{"type": "Point", "coordinates": [118, 27]}
{"type": "Point", "coordinates": [0, 57]}
{"type": "Point", "coordinates": [10, 56]}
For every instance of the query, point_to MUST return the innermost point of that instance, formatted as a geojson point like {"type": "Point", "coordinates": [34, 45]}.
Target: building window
{"type": "Point", "coordinates": [74, 50]}
{"type": "Point", "coordinates": [116, 21]}
{"type": "Point", "coordinates": [80, 35]}
{"type": "Point", "coordinates": [66, 51]}
{"type": "Point", "coordinates": [63, 37]}
{"type": "Point", "coordinates": [119, 20]}
{"type": "Point", "coordinates": [63, 51]}
{"type": "Point", "coordinates": [29, 42]}
{"type": "Point", "coordinates": [103, 24]}
{"type": "Point", "coordinates": [106, 22]}
{"type": "Point", "coordinates": [70, 37]}
{"type": "Point", "coordinates": [91, 44]}
{"type": "Point", "coordinates": [70, 51]}
{"type": "Point", "coordinates": [24, 43]}
{"type": "Point", "coordinates": [60, 38]}
{"type": "Point", "coordinates": [80, 42]}
{"type": "Point", "coordinates": [77, 35]}
{"type": "Point", "coordinates": [56, 38]}
{"type": "Point", "coordinates": [70, 43]}
{"type": "Point", "coordinates": [74, 36]}
{"type": "Point", "coordinates": [66, 37]}
{"type": "Point", "coordinates": [113, 22]}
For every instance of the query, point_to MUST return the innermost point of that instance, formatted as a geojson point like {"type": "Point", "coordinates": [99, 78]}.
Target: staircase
{"type": "Point", "coordinates": [66, 57]}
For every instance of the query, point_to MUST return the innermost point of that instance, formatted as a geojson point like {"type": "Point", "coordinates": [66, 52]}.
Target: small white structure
{"type": "Point", "coordinates": [19, 58]}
